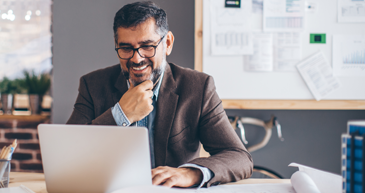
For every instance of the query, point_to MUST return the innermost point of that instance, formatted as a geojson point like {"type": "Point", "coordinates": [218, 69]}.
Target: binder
{"type": "Point", "coordinates": [353, 159]}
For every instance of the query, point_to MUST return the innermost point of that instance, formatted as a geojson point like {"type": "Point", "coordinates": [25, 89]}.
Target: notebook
{"type": "Point", "coordinates": [87, 158]}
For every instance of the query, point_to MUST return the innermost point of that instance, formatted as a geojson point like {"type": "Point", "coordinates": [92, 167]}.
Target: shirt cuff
{"type": "Point", "coordinates": [119, 116]}
{"type": "Point", "coordinates": [207, 173]}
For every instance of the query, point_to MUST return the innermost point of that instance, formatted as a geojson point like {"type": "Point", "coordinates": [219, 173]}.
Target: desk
{"type": "Point", "coordinates": [35, 181]}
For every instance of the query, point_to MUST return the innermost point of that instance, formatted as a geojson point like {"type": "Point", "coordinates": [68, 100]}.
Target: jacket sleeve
{"type": "Point", "coordinates": [84, 109]}
{"type": "Point", "coordinates": [229, 161]}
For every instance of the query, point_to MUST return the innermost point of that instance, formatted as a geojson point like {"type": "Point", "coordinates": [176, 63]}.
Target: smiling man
{"type": "Point", "coordinates": [179, 106]}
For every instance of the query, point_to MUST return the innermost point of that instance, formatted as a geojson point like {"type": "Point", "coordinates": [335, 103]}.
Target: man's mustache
{"type": "Point", "coordinates": [132, 64]}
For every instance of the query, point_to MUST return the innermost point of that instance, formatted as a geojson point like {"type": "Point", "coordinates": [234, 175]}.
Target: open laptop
{"type": "Point", "coordinates": [87, 158]}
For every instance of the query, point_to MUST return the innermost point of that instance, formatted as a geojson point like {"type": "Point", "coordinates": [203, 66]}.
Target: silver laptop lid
{"type": "Point", "coordinates": [84, 158]}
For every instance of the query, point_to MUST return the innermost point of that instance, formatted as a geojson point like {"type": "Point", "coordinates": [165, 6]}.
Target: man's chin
{"type": "Point", "coordinates": [137, 81]}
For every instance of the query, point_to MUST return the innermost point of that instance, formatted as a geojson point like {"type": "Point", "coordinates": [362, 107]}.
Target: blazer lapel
{"type": "Point", "coordinates": [166, 107]}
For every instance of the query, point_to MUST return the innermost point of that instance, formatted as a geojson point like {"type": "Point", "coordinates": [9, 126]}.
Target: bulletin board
{"type": "Point", "coordinates": [278, 90]}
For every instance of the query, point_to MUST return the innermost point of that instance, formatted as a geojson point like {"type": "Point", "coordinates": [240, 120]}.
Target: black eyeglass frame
{"type": "Point", "coordinates": [137, 49]}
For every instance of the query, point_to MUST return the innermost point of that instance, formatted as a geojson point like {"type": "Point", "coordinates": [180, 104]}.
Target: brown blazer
{"type": "Point", "coordinates": [189, 111]}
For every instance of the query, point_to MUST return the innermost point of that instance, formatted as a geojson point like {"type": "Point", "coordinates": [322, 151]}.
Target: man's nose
{"type": "Point", "coordinates": [136, 58]}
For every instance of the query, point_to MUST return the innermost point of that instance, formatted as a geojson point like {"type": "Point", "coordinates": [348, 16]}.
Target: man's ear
{"type": "Point", "coordinates": [169, 42]}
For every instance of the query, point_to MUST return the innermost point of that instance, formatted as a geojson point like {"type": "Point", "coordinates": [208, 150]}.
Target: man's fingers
{"type": "Point", "coordinates": [146, 85]}
{"type": "Point", "coordinates": [179, 177]}
{"type": "Point", "coordinates": [160, 178]}
{"type": "Point", "coordinates": [160, 175]}
{"type": "Point", "coordinates": [170, 182]}
{"type": "Point", "coordinates": [156, 171]}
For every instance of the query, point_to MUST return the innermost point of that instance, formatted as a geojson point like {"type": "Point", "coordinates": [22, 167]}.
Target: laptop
{"type": "Point", "coordinates": [88, 158]}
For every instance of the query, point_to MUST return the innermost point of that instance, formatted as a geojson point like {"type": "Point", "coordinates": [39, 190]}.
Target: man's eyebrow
{"type": "Point", "coordinates": [140, 43]}
{"type": "Point", "coordinates": [124, 44]}
{"type": "Point", "coordinates": [146, 42]}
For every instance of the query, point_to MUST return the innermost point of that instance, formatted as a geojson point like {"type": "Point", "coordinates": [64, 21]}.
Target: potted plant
{"type": "Point", "coordinates": [36, 86]}
{"type": "Point", "coordinates": [7, 89]}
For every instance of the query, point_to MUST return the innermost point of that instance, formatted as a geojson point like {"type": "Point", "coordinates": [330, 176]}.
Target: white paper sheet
{"type": "Point", "coordinates": [249, 188]}
{"type": "Point", "coordinates": [349, 55]}
{"type": "Point", "coordinates": [153, 189]}
{"type": "Point", "coordinates": [262, 58]}
{"type": "Point", "coordinates": [284, 15]}
{"type": "Point", "coordinates": [19, 189]}
{"type": "Point", "coordinates": [325, 181]}
{"type": "Point", "coordinates": [257, 14]}
{"type": "Point", "coordinates": [318, 76]}
{"type": "Point", "coordinates": [297, 181]}
{"type": "Point", "coordinates": [231, 28]}
{"type": "Point", "coordinates": [287, 51]}
{"type": "Point", "coordinates": [351, 10]}
{"type": "Point", "coordinates": [243, 188]}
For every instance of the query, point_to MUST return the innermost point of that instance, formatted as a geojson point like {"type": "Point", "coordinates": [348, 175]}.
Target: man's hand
{"type": "Point", "coordinates": [136, 103]}
{"type": "Point", "coordinates": [180, 177]}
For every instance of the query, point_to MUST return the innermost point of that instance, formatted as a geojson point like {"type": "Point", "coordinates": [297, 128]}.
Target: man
{"type": "Point", "coordinates": [179, 106]}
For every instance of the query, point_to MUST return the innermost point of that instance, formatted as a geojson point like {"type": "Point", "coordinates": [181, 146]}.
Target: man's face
{"type": "Point", "coordinates": [140, 69]}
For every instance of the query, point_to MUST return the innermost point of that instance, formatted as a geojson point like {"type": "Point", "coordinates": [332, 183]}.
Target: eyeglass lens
{"type": "Point", "coordinates": [144, 51]}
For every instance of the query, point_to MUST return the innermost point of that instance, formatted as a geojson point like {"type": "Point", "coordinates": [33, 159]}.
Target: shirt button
{"type": "Point", "coordinates": [124, 124]}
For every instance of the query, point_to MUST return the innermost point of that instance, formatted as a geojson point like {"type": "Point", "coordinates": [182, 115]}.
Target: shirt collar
{"type": "Point", "coordinates": [157, 88]}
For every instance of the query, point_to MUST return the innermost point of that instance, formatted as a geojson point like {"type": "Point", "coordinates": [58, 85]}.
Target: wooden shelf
{"type": "Point", "coordinates": [30, 118]}
{"type": "Point", "coordinates": [295, 104]}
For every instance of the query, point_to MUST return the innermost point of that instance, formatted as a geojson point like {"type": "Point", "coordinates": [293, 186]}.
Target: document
{"type": "Point", "coordinates": [243, 188]}
{"type": "Point", "coordinates": [262, 58]}
{"type": "Point", "coordinates": [318, 76]}
{"type": "Point", "coordinates": [287, 51]}
{"type": "Point", "coordinates": [284, 15]}
{"type": "Point", "coordinates": [351, 10]}
{"type": "Point", "coordinates": [249, 188]}
{"type": "Point", "coordinates": [326, 182]}
{"type": "Point", "coordinates": [153, 189]}
{"type": "Point", "coordinates": [231, 28]}
{"type": "Point", "coordinates": [349, 55]}
{"type": "Point", "coordinates": [257, 14]}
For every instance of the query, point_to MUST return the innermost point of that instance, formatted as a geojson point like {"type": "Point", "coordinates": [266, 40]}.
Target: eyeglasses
{"type": "Point", "coordinates": [147, 51]}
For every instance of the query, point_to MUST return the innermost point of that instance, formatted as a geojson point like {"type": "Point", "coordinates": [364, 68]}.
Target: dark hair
{"type": "Point", "coordinates": [131, 15]}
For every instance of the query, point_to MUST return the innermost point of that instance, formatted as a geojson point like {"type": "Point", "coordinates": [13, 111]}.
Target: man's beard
{"type": "Point", "coordinates": [155, 73]}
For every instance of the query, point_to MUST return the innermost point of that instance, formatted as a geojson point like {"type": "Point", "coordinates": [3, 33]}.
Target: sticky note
{"type": "Point", "coordinates": [317, 38]}
{"type": "Point", "coordinates": [233, 3]}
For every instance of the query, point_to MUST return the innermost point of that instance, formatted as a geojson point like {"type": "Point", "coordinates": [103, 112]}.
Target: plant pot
{"type": "Point", "coordinates": [35, 102]}
{"type": "Point", "coordinates": [7, 103]}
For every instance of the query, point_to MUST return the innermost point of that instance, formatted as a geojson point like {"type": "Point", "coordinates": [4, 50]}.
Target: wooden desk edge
{"type": "Point", "coordinates": [36, 181]}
